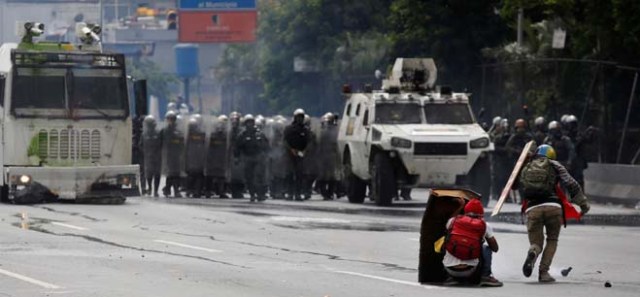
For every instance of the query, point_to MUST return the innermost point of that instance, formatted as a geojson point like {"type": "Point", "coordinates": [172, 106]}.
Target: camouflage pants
{"type": "Point", "coordinates": [539, 220]}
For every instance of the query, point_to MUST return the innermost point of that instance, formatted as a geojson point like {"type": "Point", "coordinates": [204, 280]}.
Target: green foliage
{"type": "Point", "coordinates": [453, 32]}
{"type": "Point", "coordinates": [338, 39]}
{"type": "Point", "coordinates": [158, 82]}
{"type": "Point", "coordinates": [347, 40]}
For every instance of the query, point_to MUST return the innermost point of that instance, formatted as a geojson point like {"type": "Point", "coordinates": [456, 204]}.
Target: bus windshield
{"type": "Point", "coordinates": [59, 92]}
{"type": "Point", "coordinates": [42, 89]}
{"type": "Point", "coordinates": [98, 89]}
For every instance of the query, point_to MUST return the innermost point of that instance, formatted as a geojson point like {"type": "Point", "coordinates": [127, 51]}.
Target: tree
{"type": "Point", "coordinates": [336, 39]}
{"type": "Point", "coordinates": [158, 82]}
{"type": "Point", "coordinates": [453, 32]}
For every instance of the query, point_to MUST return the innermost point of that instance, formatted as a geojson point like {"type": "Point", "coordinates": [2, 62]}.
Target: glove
{"type": "Point", "coordinates": [584, 208]}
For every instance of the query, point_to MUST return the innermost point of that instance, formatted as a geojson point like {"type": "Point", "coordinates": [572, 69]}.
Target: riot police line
{"type": "Point", "coordinates": [574, 147]}
{"type": "Point", "coordinates": [239, 156]}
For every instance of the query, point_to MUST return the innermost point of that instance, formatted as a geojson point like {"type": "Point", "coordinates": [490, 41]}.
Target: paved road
{"type": "Point", "coordinates": [197, 247]}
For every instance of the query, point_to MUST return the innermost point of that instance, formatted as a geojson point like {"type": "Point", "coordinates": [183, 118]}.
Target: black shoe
{"type": "Point", "coordinates": [490, 281]}
{"type": "Point", "coordinates": [527, 268]}
{"type": "Point", "coordinates": [451, 282]}
{"type": "Point", "coordinates": [224, 196]}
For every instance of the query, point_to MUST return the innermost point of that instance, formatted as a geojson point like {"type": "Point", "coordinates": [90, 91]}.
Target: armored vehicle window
{"type": "Point", "coordinates": [358, 110]}
{"type": "Point", "coordinates": [348, 112]}
{"type": "Point", "coordinates": [455, 114]}
{"type": "Point", "coordinates": [393, 113]}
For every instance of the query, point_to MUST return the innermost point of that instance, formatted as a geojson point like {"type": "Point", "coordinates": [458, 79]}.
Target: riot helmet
{"type": "Point", "coordinates": [298, 116]}
{"type": "Point", "coordinates": [171, 117]}
{"type": "Point", "coordinates": [546, 150]}
{"type": "Point", "coordinates": [555, 129]}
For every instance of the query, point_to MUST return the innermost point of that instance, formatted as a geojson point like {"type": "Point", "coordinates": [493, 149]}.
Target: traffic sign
{"type": "Point", "coordinates": [220, 5]}
{"type": "Point", "coordinates": [217, 26]}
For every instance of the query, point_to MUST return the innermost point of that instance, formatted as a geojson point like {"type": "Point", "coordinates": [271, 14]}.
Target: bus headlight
{"type": "Point", "coordinates": [479, 143]}
{"type": "Point", "coordinates": [24, 179]}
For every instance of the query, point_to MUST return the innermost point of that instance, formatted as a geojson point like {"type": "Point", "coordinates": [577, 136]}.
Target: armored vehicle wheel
{"type": "Point", "coordinates": [356, 188]}
{"type": "Point", "coordinates": [383, 180]}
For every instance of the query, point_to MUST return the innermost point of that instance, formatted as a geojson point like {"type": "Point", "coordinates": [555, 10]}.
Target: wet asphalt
{"type": "Point", "coordinates": [211, 247]}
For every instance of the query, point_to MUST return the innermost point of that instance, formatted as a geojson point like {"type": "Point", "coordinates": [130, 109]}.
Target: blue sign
{"type": "Point", "coordinates": [218, 4]}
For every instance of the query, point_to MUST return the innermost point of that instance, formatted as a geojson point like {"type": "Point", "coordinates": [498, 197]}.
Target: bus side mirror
{"type": "Point", "coordinates": [140, 98]}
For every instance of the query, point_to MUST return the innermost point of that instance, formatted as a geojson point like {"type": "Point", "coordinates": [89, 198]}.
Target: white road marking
{"type": "Point", "coordinates": [188, 246]}
{"type": "Point", "coordinates": [29, 280]}
{"type": "Point", "coordinates": [69, 226]}
{"type": "Point", "coordinates": [310, 220]}
{"type": "Point", "coordinates": [397, 281]}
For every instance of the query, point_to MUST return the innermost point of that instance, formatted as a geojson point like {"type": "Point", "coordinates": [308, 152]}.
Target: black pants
{"type": "Point", "coordinates": [254, 173]}
{"type": "Point", "coordinates": [215, 185]}
{"type": "Point", "coordinates": [172, 181]}
{"type": "Point", "coordinates": [327, 188]}
{"type": "Point", "coordinates": [155, 181]}
{"type": "Point", "coordinates": [295, 178]}
{"type": "Point", "coordinates": [195, 181]}
{"type": "Point", "coordinates": [277, 188]}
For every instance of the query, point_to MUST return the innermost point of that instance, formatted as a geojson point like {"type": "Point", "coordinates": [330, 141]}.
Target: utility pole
{"type": "Point", "coordinates": [101, 14]}
{"type": "Point", "coordinates": [522, 64]}
{"type": "Point", "coordinates": [519, 37]}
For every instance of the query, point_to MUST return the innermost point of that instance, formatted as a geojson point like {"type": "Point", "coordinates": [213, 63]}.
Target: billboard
{"type": "Point", "coordinates": [222, 5]}
{"type": "Point", "coordinates": [217, 26]}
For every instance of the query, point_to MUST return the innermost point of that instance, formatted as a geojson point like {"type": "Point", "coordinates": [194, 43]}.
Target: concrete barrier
{"type": "Point", "coordinates": [613, 183]}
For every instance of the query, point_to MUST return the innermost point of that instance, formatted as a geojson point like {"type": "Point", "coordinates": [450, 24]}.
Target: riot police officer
{"type": "Point", "coordinates": [540, 132]}
{"type": "Point", "coordinates": [328, 157]}
{"type": "Point", "coordinates": [310, 161]}
{"type": "Point", "coordinates": [580, 144]}
{"type": "Point", "coordinates": [172, 148]}
{"type": "Point", "coordinates": [278, 159]}
{"type": "Point", "coordinates": [237, 176]}
{"type": "Point", "coordinates": [296, 138]}
{"type": "Point", "coordinates": [252, 146]}
{"type": "Point", "coordinates": [518, 140]}
{"type": "Point", "coordinates": [151, 144]}
{"type": "Point", "coordinates": [565, 153]}
{"type": "Point", "coordinates": [217, 167]}
{"type": "Point", "coordinates": [500, 158]}
{"type": "Point", "coordinates": [194, 153]}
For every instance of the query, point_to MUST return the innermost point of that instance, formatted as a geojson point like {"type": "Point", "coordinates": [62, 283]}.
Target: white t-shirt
{"type": "Point", "coordinates": [450, 260]}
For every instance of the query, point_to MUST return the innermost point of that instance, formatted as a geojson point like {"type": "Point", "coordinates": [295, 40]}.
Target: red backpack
{"type": "Point", "coordinates": [464, 238]}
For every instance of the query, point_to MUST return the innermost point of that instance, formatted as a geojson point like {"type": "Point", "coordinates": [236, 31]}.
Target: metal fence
{"type": "Point", "coordinates": [599, 93]}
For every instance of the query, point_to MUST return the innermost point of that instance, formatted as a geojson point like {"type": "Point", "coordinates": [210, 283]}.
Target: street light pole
{"type": "Point", "coordinates": [519, 36]}
{"type": "Point", "coordinates": [101, 14]}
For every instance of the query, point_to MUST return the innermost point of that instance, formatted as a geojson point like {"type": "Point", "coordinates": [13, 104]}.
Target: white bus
{"type": "Point", "coordinates": [65, 124]}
